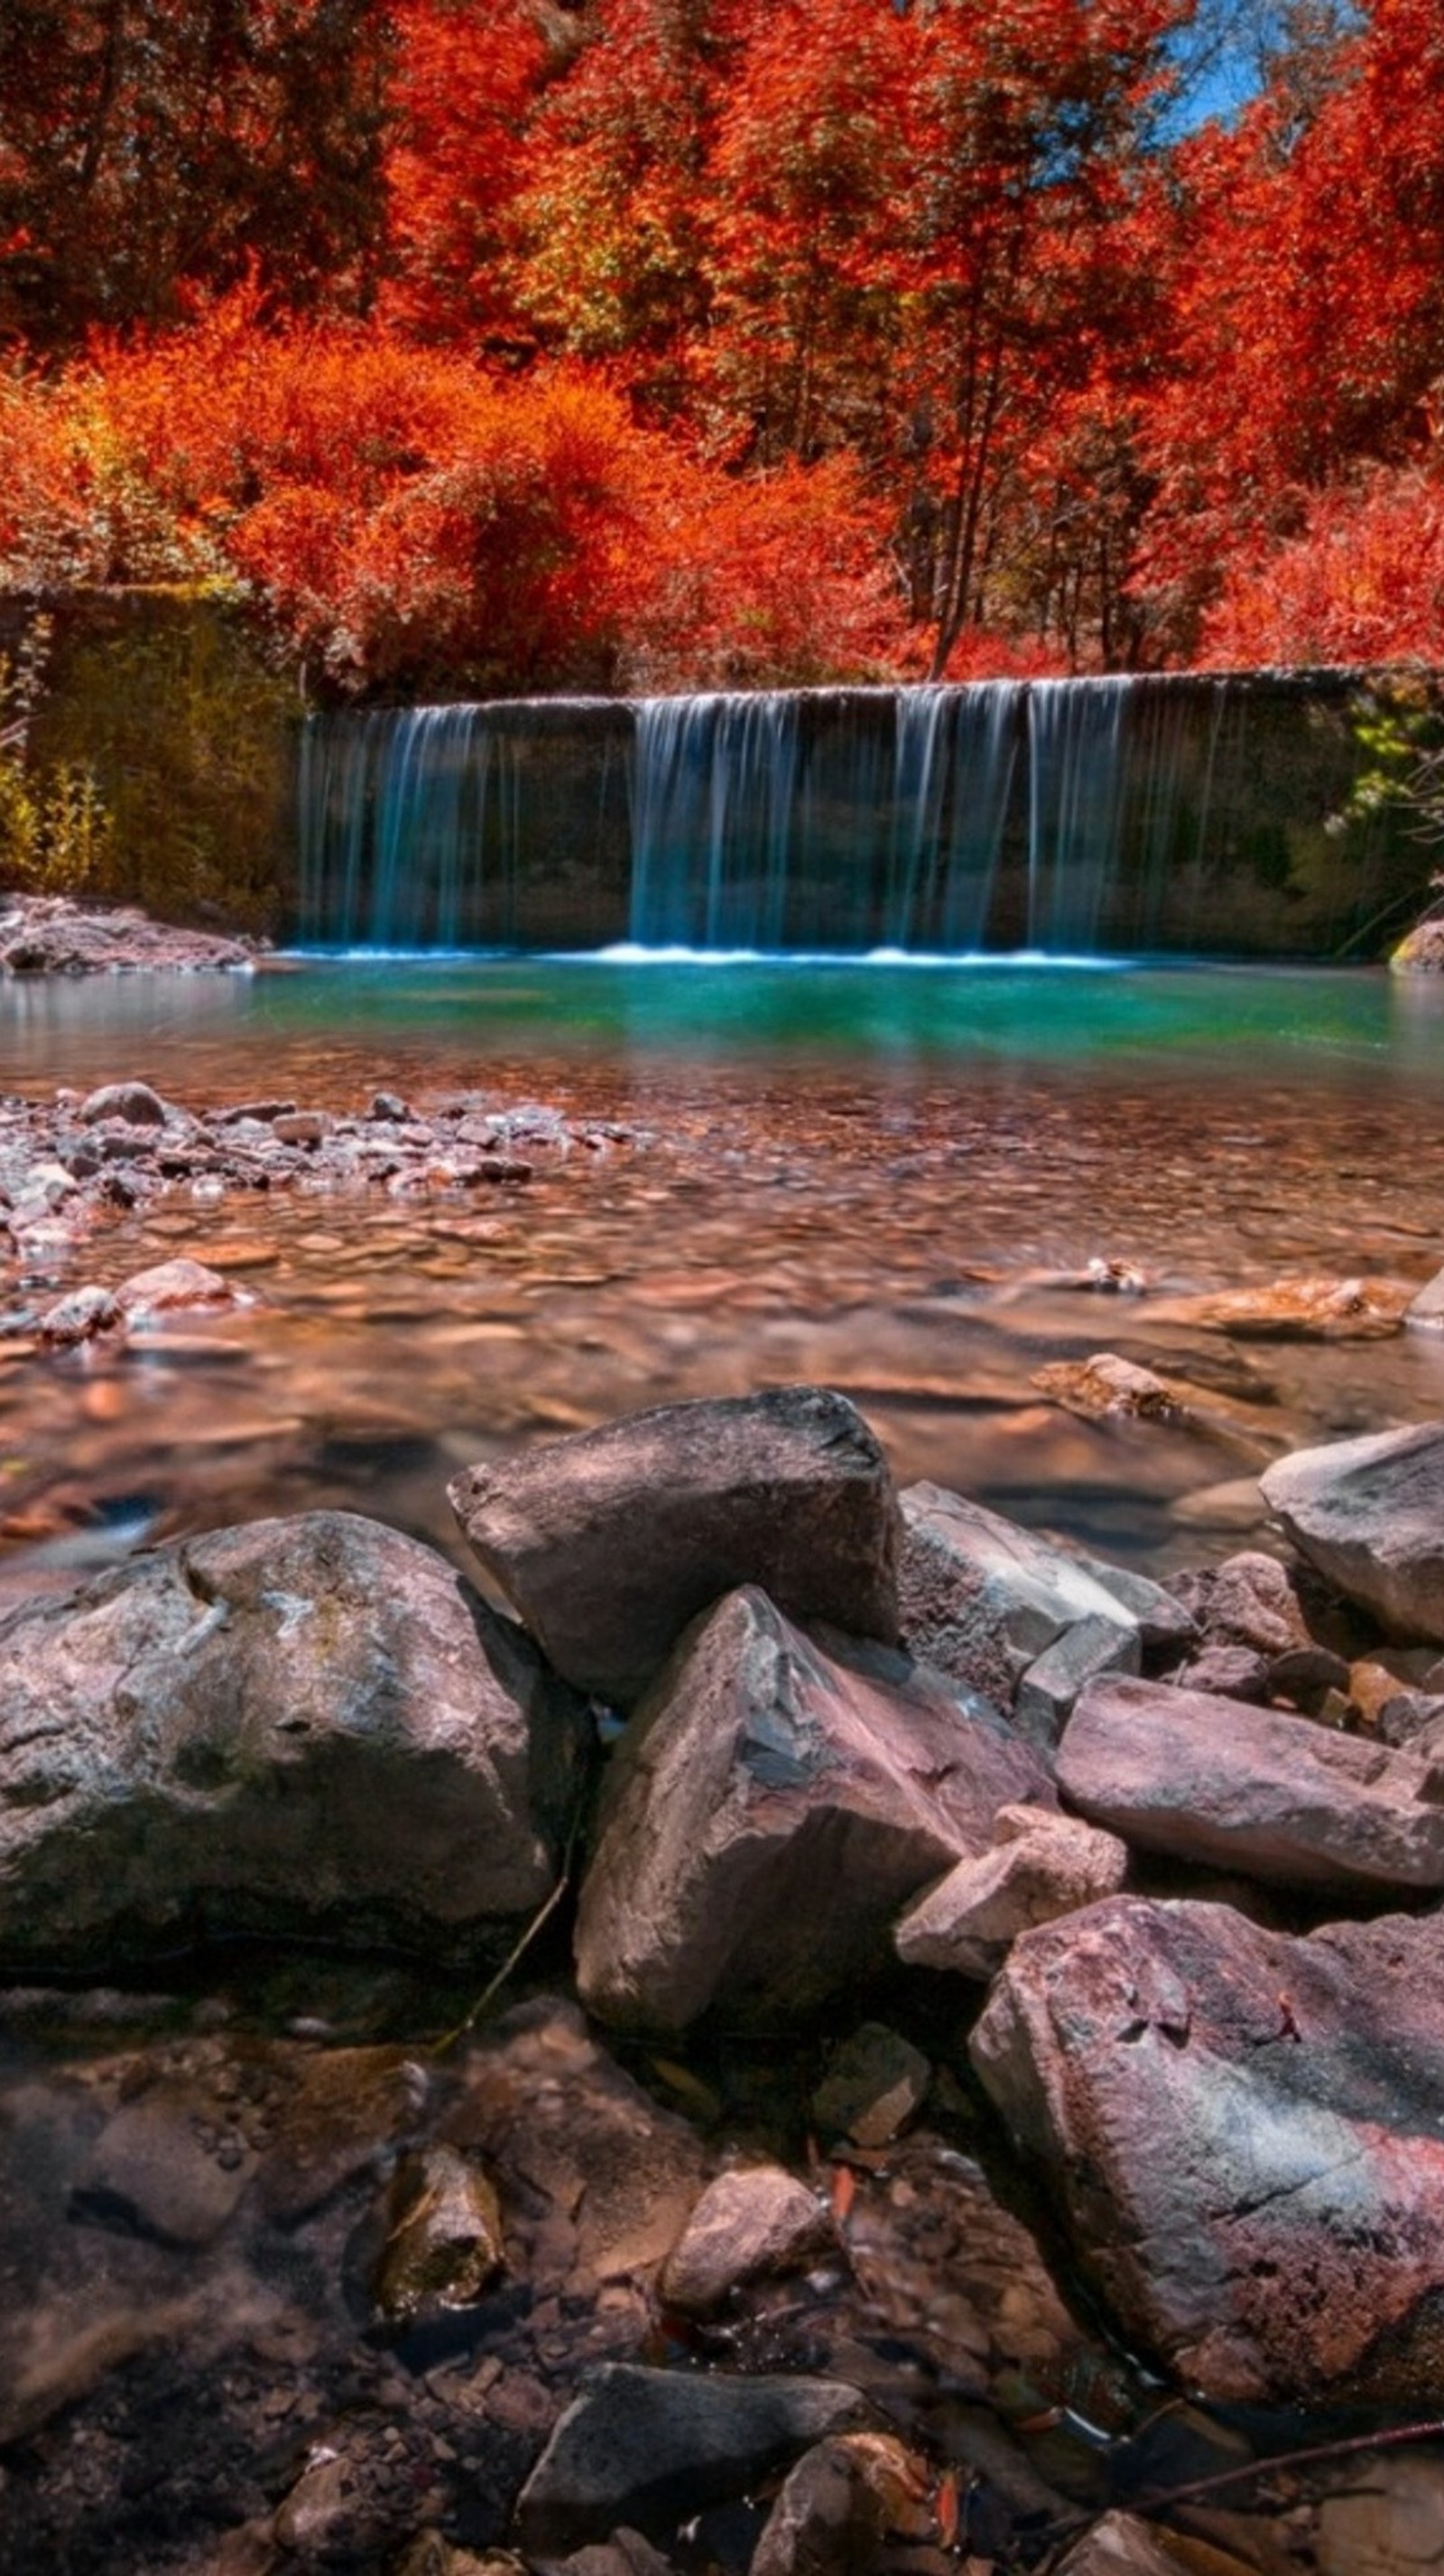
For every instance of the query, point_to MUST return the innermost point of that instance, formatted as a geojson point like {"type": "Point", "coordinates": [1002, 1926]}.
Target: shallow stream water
{"type": "Point", "coordinates": [888, 1178]}
{"type": "Point", "coordinates": [892, 1179]}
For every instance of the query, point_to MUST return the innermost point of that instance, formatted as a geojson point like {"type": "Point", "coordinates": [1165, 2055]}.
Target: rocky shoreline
{"type": "Point", "coordinates": [991, 1945]}
{"type": "Point", "coordinates": [50, 935]}
{"type": "Point", "coordinates": [71, 1165]}
{"type": "Point", "coordinates": [783, 2027]}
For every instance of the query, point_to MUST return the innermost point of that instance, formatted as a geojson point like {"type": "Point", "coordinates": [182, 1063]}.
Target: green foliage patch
{"type": "Point", "coordinates": [147, 753]}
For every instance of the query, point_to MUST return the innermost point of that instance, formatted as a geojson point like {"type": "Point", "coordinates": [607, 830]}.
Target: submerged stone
{"type": "Point", "coordinates": [444, 2237]}
{"type": "Point", "coordinates": [655, 2447]}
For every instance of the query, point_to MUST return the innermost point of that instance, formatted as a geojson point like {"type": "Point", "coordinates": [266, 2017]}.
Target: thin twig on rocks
{"type": "Point", "coordinates": [1159, 2499]}
{"type": "Point", "coordinates": [520, 1947]}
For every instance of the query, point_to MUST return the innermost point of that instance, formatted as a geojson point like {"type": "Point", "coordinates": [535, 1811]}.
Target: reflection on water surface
{"type": "Point", "coordinates": [878, 1177]}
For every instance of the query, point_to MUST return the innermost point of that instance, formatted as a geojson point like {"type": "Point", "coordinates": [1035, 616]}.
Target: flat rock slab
{"type": "Point", "coordinates": [606, 1545]}
{"type": "Point", "coordinates": [1231, 1786]}
{"type": "Point", "coordinates": [774, 1802]}
{"type": "Point", "coordinates": [1246, 2136]}
{"type": "Point", "coordinates": [1370, 1515]}
{"type": "Point", "coordinates": [560, 2125]}
{"type": "Point", "coordinates": [306, 1725]}
{"type": "Point", "coordinates": [1297, 1310]}
{"type": "Point", "coordinates": [652, 2448]}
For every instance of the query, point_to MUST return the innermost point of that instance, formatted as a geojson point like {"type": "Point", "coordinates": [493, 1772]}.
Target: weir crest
{"type": "Point", "coordinates": [1067, 817]}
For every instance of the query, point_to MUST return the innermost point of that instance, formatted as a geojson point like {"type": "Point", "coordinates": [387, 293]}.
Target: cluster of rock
{"type": "Point", "coordinates": [49, 935]}
{"type": "Point", "coordinates": [825, 1736]}
{"type": "Point", "coordinates": [66, 1166]}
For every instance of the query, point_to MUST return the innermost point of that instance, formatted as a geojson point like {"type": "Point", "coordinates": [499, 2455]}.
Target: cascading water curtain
{"type": "Point", "coordinates": [1075, 747]}
{"type": "Point", "coordinates": [1070, 816]}
{"type": "Point", "coordinates": [713, 805]}
{"type": "Point", "coordinates": [391, 810]}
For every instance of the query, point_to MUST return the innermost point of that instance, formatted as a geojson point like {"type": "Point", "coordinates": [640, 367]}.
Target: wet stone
{"type": "Point", "coordinates": [80, 1317]}
{"type": "Point", "coordinates": [875, 2083]}
{"type": "Point", "coordinates": [1120, 2544]}
{"type": "Point", "coordinates": [444, 2237]}
{"type": "Point", "coordinates": [1387, 2520]}
{"type": "Point", "coordinates": [843, 2500]}
{"type": "Point", "coordinates": [176, 1287]}
{"type": "Point", "coordinates": [135, 1102]}
{"type": "Point", "coordinates": [747, 2225]}
{"type": "Point", "coordinates": [156, 2170]}
{"type": "Point", "coordinates": [654, 2447]}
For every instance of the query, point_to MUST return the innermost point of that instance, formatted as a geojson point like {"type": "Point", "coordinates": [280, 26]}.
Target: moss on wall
{"type": "Point", "coordinates": [166, 698]}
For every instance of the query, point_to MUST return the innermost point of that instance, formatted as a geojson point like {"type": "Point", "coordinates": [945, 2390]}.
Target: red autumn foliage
{"type": "Point", "coordinates": [612, 341]}
{"type": "Point", "coordinates": [412, 520]}
{"type": "Point", "coordinates": [1362, 583]}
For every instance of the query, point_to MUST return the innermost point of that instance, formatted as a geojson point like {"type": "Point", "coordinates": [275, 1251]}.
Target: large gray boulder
{"type": "Point", "coordinates": [606, 1545]}
{"type": "Point", "coordinates": [1245, 2133]}
{"type": "Point", "coordinates": [307, 1725]}
{"type": "Point", "coordinates": [772, 1805]}
{"type": "Point", "coordinates": [1230, 1786]}
{"type": "Point", "coordinates": [1370, 1515]}
{"type": "Point", "coordinates": [983, 1599]}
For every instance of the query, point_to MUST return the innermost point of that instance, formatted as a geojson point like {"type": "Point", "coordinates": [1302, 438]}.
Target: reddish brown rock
{"type": "Point", "coordinates": [772, 1804]}
{"type": "Point", "coordinates": [174, 1288]}
{"type": "Point", "coordinates": [1298, 1310]}
{"type": "Point", "coordinates": [1040, 1866]}
{"type": "Point", "coordinates": [840, 2505]}
{"type": "Point", "coordinates": [873, 2087]}
{"type": "Point", "coordinates": [1121, 2545]}
{"type": "Point", "coordinates": [748, 2224]}
{"type": "Point", "coordinates": [1248, 1600]}
{"type": "Point", "coordinates": [597, 2179]}
{"type": "Point", "coordinates": [1246, 2135]}
{"type": "Point", "coordinates": [1230, 1786]}
{"type": "Point", "coordinates": [606, 1545]}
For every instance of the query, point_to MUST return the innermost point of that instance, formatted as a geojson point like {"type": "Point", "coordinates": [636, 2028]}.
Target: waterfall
{"type": "Point", "coordinates": [425, 828]}
{"type": "Point", "coordinates": [1067, 816]}
{"type": "Point", "coordinates": [1075, 783]}
{"type": "Point", "coordinates": [712, 820]}
{"type": "Point", "coordinates": [821, 819]}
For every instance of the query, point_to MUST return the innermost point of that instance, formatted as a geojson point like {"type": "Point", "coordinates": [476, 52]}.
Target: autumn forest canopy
{"type": "Point", "coordinates": [656, 343]}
